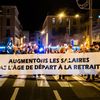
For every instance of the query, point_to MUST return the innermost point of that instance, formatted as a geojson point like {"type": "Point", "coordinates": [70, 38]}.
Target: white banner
{"type": "Point", "coordinates": [70, 63]}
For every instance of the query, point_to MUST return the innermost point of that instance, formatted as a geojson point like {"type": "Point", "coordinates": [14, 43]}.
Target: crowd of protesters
{"type": "Point", "coordinates": [29, 49]}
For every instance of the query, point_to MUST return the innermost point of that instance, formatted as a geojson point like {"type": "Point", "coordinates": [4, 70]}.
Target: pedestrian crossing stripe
{"type": "Point", "coordinates": [81, 80]}
{"type": "Point", "coordinates": [97, 84]}
{"type": "Point", "coordinates": [57, 95]}
{"type": "Point", "coordinates": [2, 81]}
{"type": "Point", "coordinates": [85, 83]}
{"type": "Point", "coordinates": [19, 82]}
{"type": "Point", "coordinates": [14, 94]}
{"type": "Point", "coordinates": [42, 82]}
{"type": "Point", "coordinates": [63, 83]}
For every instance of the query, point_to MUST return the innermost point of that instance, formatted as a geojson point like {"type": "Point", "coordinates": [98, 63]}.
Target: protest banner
{"type": "Point", "coordinates": [50, 64]}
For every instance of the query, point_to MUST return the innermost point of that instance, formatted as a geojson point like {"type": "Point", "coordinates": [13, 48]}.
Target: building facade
{"type": "Point", "coordinates": [59, 31]}
{"type": "Point", "coordinates": [10, 25]}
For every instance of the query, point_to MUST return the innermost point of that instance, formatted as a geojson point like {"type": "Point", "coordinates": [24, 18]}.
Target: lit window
{"type": "Point", "coordinates": [53, 20]}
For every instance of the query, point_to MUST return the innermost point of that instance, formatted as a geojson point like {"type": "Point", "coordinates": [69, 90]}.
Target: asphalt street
{"type": "Point", "coordinates": [48, 88]}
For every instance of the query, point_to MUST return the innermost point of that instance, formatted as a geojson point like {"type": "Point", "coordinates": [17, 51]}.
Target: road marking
{"type": "Point", "coordinates": [57, 95]}
{"type": "Point", "coordinates": [79, 79]}
{"type": "Point", "coordinates": [2, 81]}
{"type": "Point", "coordinates": [93, 85]}
{"type": "Point", "coordinates": [42, 82]}
{"type": "Point", "coordinates": [63, 83]}
{"type": "Point", "coordinates": [97, 84]}
{"type": "Point", "coordinates": [96, 87]}
{"type": "Point", "coordinates": [14, 94]}
{"type": "Point", "coordinates": [19, 82]}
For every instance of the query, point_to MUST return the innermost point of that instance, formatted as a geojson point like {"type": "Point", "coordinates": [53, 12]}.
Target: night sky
{"type": "Point", "coordinates": [32, 13]}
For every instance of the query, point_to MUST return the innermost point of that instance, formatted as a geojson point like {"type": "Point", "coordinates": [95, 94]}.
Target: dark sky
{"type": "Point", "coordinates": [32, 13]}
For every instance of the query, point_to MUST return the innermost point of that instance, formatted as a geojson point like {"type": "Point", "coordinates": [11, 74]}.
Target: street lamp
{"type": "Point", "coordinates": [98, 16]}
{"type": "Point", "coordinates": [77, 16]}
{"type": "Point", "coordinates": [88, 4]}
{"type": "Point", "coordinates": [90, 21]}
{"type": "Point", "coordinates": [42, 32]}
{"type": "Point", "coordinates": [61, 15]}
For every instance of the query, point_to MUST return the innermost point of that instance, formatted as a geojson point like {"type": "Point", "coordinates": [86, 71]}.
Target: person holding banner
{"type": "Point", "coordinates": [69, 49]}
{"type": "Point", "coordinates": [92, 49]}
{"type": "Point", "coordinates": [18, 51]}
{"type": "Point", "coordinates": [97, 49]}
{"type": "Point", "coordinates": [62, 50]}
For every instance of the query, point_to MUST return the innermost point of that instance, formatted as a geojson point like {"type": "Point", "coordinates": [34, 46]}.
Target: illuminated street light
{"type": "Point", "coordinates": [77, 16]}
{"type": "Point", "coordinates": [42, 32]}
{"type": "Point", "coordinates": [98, 16]}
{"type": "Point", "coordinates": [61, 15]}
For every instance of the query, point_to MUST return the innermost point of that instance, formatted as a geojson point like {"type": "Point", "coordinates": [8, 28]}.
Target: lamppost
{"type": "Point", "coordinates": [90, 21]}
{"type": "Point", "coordinates": [88, 6]}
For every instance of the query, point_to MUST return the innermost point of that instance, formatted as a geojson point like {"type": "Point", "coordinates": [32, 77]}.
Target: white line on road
{"type": "Point", "coordinates": [97, 84]}
{"type": "Point", "coordinates": [91, 84]}
{"type": "Point", "coordinates": [79, 79]}
{"type": "Point", "coordinates": [57, 95]}
{"type": "Point", "coordinates": [14, 94]}
{"type": "Point", "coordinates": [42, 82]}
{"type": "Point", "coordinates": [63, 83]}
{"type": "Point", "coordinates": [82, 81]}
{"type": "Point", "coordinates": [19, 82]}
{"type": "Point", "coordinates": [2, 81]}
